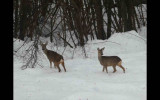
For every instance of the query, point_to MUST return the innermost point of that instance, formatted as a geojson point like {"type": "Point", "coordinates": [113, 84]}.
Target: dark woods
{"type": "Point", "coordinates": [78, 18]}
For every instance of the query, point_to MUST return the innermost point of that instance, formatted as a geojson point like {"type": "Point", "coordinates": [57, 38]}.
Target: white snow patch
{"type": "Point", "coordinates": [84, 79]}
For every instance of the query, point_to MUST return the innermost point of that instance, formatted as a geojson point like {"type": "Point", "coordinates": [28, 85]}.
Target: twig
{"type": "Point", "coordinates": [107, 41]}
{"type": "Point", "coordinates": [64, 50]}
{"type": "Point", "coordinates": [65, 40]}
{"type": "Point", "coordinates": [24, 67]}
{"type": "Point", "coordinates": [39, 64]}
{"type": "Point", "coordinates": [137, 36]}
{"type": "Point", "coordinates": [21, 45]}
{"type": "Point", "coordinates": [73, 53]}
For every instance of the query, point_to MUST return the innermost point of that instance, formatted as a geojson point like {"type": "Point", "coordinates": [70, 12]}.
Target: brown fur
{"type": "Point", "coordinates": [53, 57]}
{"type": "Point", "coordinates": [107, 61]}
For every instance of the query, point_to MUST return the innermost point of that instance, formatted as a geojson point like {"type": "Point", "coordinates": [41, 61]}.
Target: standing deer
{"type": "Point", "coordinates": [106, 61]}
{"type": "Point", "coordinates": [53, 57]}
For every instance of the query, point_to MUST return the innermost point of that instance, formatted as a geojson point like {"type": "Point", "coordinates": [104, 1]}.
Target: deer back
{"type": "Point", "coordinates": [109, 60]}
{"type": "Point", "coordinates": [53, 56]}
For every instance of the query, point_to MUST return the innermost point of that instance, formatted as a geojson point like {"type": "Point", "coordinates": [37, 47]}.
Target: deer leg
{"type": "Point", "coordinates": [55, 66]}
{"type": "Point", "coordinates": [122, 68]}
{"type": "Point", "coordinates": [106, 69]}
{"type": "Point", "coordinates": [50, 64]}
{"type": "Point", "coordinates": [103, 69]}
{"type": "Point", "coordinates": [114, 69]}
{"type": "Point", "coordinates": [63, 66]}
{"type": "Point", "coordinates": [120, 65]}
{"type": "Point", "coordinates": [58, 68]}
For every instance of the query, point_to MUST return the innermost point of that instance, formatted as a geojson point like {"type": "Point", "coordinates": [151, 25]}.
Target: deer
{"type": "Point", "coordinates": [107, 61]}
{"type": "Point", "coordinates": [53, 57]}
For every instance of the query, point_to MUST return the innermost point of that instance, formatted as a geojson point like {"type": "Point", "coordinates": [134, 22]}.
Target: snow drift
{"type": "Point", "coordinates": [84, 79]}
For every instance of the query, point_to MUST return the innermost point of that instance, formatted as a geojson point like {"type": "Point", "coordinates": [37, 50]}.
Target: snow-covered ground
{"type": "Point", "coordinates": [84, 79]}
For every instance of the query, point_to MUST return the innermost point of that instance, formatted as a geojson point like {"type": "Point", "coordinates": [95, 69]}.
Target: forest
{"type": "Point", "coordinates": [80, 18]}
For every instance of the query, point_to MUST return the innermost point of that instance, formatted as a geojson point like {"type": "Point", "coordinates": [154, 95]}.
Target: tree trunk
{"type": "Point", "coordinates": [99, 20]}
{"type": "Point", "coordinates": [107, 4]}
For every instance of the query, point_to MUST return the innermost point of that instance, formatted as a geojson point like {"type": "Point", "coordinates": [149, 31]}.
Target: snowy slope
{"type": "Point", "coordinates": [84, 79]}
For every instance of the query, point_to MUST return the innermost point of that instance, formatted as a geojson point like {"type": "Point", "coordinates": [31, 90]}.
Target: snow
{"type": "Point", "coordinates": [84, 79]}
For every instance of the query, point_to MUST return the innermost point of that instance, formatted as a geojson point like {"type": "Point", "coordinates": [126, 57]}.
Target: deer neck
{"type": "Point", "coordinates": [99, 56]}
{"type": "Point", "coordinates": [45, 51]}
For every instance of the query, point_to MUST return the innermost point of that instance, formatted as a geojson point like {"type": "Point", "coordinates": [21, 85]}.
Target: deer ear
{"type": "Point", "coordinates": [97, 48]}
{"type": "Point", "coordinates": [103, 48]}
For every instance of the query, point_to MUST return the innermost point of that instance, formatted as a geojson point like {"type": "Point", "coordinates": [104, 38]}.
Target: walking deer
{"type": "Point", "coordinates": [106, 61]}
{"type": "Point", "coordinates": [53, 57]}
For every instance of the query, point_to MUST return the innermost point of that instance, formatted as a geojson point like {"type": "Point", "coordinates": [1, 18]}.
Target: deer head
{"type": "Point", "coordinates": [43, 45]}
{"type": "Point", "coordinates": [100, 51]}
